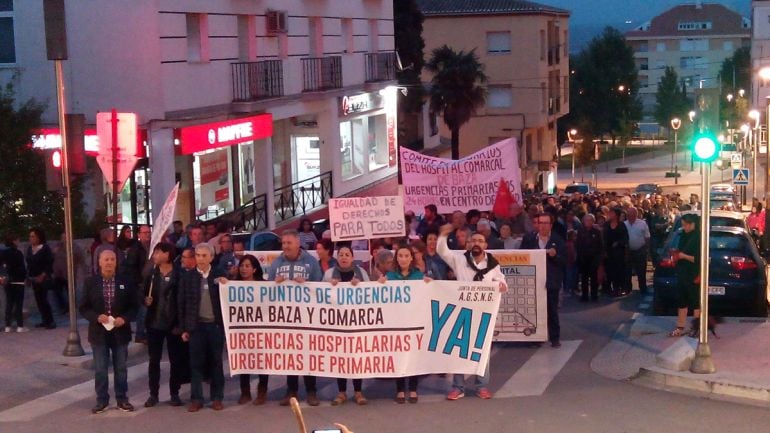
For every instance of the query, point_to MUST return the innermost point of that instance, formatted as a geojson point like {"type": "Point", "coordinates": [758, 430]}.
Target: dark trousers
{"type": "Point", "coordinates": [401, 383]}
{"type": "Point", "coordinates": [102, 354]}
{"type": "Point", "coordinates": [207, 342]}
{"type": "Point", "coordinates": [60, 292]}
{"type": "Point", "coordinates": [588, 272]}
{"type": "Point", "coordinates": [245, 380]}
{"type": "Point", "coordinates": [292, 382]}
{"type": "Point", "coordinates": [615, 269]}
{"type": "Point", "coordinates": [342, 385]}
{"type": "Point", "coordinates": [554, 330]}
{"type": "Point", "coordinates": [41, 299]}
{"type": "Point", "coordinates": [638, 265]}
{"type": "Point", "coordinates": [174, 348]}
{"type": "Point", "coordinates": [14, 303]}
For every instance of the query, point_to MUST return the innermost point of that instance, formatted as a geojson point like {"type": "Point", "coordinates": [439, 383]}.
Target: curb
{"type": "Point", "coordinates": [711, 386]}
{"type": "Point", "coordinates": [136, 351]}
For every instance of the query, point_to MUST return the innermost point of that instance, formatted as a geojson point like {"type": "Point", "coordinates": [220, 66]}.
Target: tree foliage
{"type": "Point", "coordinates": [24, 201]}
{"type": "Point", "coordinates": [604, 88]}
{"type": "Point", "coordinates": [734, 76]}
{"type": "Point", "coordinates": [457, 88]}
{"type": "Point", "coordinates": [671, 99]}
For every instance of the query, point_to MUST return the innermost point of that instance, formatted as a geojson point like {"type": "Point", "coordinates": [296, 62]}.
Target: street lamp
{"type": "Point", "coordinates": [571, 138]}
{"type": "Point", "coordinates": [705, 149]}
{"type": "Point", "coordinates": [676, 123]}
{"type": "Point", "coordinates": [754, 115]}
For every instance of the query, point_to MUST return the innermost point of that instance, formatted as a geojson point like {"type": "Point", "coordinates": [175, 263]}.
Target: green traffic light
{"type": "Point", "coordinates": [705, 148]}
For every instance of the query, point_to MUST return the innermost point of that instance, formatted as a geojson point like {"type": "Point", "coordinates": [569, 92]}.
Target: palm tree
{"type": "Point", "coordinates": [456, 88]}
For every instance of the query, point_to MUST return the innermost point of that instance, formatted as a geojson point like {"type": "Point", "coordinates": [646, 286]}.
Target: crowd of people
{"type": "Point", "coordinates": [594, 244]}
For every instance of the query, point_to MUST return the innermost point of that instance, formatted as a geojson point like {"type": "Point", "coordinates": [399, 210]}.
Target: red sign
{"type": "Point", "coordinates": [220, 134]}
{"type": "Point", "coordinates": [391, 119]}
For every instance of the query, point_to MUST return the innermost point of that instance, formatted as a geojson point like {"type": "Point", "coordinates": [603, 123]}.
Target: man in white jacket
{"type": "Point", "coordinates": [472, 265]}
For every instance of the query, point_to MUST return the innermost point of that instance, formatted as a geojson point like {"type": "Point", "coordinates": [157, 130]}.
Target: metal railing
{"type": "Point", "coordinates": [301, 197]}
{"type": "Point", "coordinates": [380, 66]}
{"type": "Point", "coordinates": [254, 214]}
{"type": "Point", "coordinates": [321, 73]}
{"type": "Point", "coordinates": [253, 81]}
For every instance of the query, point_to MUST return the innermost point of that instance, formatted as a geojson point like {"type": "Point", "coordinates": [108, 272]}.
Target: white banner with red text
{"type": "Point", "coordinates": [372, 329]}
{"type": "Point", "coordinates": [464, 184]}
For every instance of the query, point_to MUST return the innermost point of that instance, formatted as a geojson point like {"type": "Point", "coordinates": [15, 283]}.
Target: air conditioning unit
{"type": "Point", "coordinates": [277, 22]}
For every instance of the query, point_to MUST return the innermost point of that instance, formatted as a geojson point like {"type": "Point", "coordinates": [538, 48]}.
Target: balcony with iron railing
{"type": "Point", "coordinates": [253, 81]}
{"type": "Point", "coordinates": [321, 73]}
{"type": "Point", "coordinates": [380, 66]}
{"type": "Point", "coordinates": [302, 197]}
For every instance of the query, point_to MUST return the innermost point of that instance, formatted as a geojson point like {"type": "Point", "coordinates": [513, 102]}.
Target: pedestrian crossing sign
{"type": "Point", "coordinates": [740, 176]}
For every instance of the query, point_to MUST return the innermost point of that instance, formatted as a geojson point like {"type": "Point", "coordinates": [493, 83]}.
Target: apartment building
{"type": "Point", "coordinates": [260, 107]}
{"type": "Point", "coordinates": [694, 39]}
{"type": "Point", "coordinates": [525, 51]}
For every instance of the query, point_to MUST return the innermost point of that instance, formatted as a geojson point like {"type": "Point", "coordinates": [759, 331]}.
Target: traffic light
{"type": "Point", "coordinates": [52, 159]}
{"type": "Point", "coordinates": [705, 147]}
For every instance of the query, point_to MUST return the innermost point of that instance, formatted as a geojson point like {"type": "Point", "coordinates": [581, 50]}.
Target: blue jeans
{"type": "Point", "coordinates": [141, 330]}
{"type": "Point", "coordinates": [458, 381]}
{"type": "Point", "coordinates": [207, 342]}
{"type": "Point", "coordinates": [101, 366]}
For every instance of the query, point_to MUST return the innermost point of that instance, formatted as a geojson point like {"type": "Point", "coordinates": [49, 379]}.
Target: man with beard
{"type": "Point", "coordinates": [556, 259]}
{"type": "Point", "coordinates": [473, 265]}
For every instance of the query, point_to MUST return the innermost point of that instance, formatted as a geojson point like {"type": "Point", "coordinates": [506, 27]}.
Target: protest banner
{"type": "Point", "coordinates": [372, 329]}
{"type": "Point", "coordinates": [523, 314]}
{"type": "Point", "coordinates": [353, 218]}
{"type": "Point", "coordinates": [464, 184]}
{"type": "Point", "coordinates": [164, 219]}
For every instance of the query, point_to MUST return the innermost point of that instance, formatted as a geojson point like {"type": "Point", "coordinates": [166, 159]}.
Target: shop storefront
{"type": "Point", "coordinates": [367, 134]}
{"type": "Point", "coordinates": [223, 163]}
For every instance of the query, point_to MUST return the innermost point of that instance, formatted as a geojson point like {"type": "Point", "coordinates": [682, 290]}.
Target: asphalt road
{"type": "Point", "coordinates": [539, 389]}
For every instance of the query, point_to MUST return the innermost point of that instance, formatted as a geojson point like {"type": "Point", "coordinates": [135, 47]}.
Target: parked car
{"type": "Point", "coordinates": [647, 189]}
{"type": "Point", "coordinates": [737, 280]}
{"type": "Point", "coordinates": [716, 218]}
{"type": "Point", "coordinates": [583, 188]}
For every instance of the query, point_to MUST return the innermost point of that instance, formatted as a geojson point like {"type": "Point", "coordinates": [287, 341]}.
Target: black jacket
{"type": "Point", "coordinates": [169, 316]}
{"type": "Point", "coordinates": [589, 245]}
{"type": "Point", "coordinates": [13, 261]}
{"type": "Point", "coordinates": [554, 265]}
{"type": "Point", "coordinates": [92, 305]}
{"type": "Point", "coordinates": [190, 298]}
{"type": "Point", "coordinates": [41, 262]}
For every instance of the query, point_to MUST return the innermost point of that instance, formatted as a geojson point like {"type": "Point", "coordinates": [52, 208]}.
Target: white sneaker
{"type": "Point", "coordinates": [8, 329]}
{"type": "Point", "coordinates": [22, 329]}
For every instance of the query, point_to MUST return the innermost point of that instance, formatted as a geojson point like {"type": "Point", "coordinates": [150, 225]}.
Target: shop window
{"type": "Point", "coordinates": [499, 42]}
{"type": "Point", "coordinates": [378, 141]}
{"type": "Point", "coordinates": [212, 171]}
{"type": "Point", "coordinates": [352, 139]}
{"type": "Point", "coordinates": [247, 171]}
{"type": "Point", "coordinates": [7, 40]}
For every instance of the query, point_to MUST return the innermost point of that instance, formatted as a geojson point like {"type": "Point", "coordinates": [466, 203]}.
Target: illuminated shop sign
{"type": "Point", "coordinates": [220, 134]}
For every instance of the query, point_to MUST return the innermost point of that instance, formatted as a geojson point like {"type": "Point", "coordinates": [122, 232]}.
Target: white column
{"type": "Point", "coordinates": [264, 176]}
{"type": "Point", "coordinates": [162, 168]}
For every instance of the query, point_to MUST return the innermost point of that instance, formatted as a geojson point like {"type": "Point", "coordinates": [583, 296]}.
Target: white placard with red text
{"type": "Point", "coordinates": [465, 184]}
{"type": "Point", "coordinates": [391, 329]}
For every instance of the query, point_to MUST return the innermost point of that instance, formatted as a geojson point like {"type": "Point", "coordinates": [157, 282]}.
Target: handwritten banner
{"type": "Point", "coordinates": [392, 329]}
{"type": "Point", "coordinates": [355, 218]}
{"type": "Point", "coordinates": [464, 184]}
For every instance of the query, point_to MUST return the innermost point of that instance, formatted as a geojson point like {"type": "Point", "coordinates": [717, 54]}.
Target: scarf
{"type": "Point", "coordinates": [480, 273]}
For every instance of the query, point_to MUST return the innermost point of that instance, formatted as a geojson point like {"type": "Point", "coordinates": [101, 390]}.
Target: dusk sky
{"type": "Point", "coordinates": [589, 17]}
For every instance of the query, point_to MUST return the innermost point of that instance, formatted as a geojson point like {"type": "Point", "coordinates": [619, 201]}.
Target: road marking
{"type": "Point", "coordinates": [537, 373]}
{"type": "Point", "coordinates": [60, 399]}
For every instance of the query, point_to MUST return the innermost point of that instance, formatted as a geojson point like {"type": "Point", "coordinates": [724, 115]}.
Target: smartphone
{"type": "Point", "coordinates": [328, 430]}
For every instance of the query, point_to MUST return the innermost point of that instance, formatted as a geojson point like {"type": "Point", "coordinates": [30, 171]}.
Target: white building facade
{"type": "Point", "coordinates": [266, 104]}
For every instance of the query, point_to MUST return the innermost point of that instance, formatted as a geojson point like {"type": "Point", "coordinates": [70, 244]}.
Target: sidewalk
{"type": "Point", "coordinates": [642, 353]}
